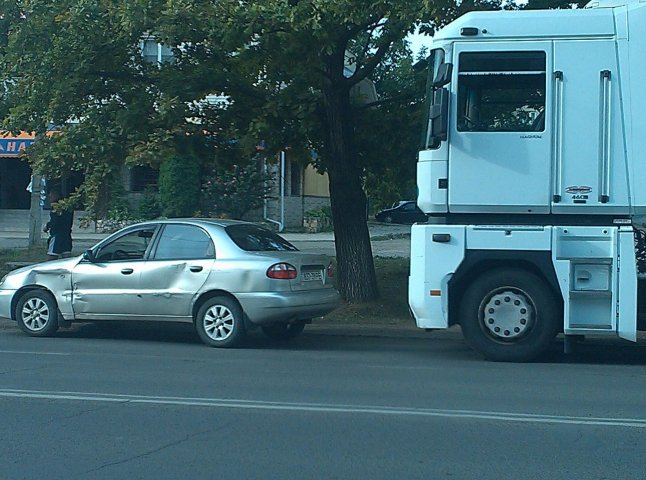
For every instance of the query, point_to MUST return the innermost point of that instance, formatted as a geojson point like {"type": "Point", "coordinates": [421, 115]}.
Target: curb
{"type": "Point", "coordinates": [374, 330]}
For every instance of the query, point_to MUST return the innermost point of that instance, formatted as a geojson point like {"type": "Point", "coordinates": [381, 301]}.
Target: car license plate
{"type": "Point", "coordinates": [312, 276]}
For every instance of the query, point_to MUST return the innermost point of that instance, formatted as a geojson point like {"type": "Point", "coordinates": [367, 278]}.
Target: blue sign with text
{"type": "Point", "coordinates": [13, 147]}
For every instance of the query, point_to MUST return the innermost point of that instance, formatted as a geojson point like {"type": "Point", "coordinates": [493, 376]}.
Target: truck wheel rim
{"type": "Point", "coordinates": [218, 322]}
{"type": "Point", "coordinates": [35, 314]}
{"type": "Point", "coordinates": [507, 314]}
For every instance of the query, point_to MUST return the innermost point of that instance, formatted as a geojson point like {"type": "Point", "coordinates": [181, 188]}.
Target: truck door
{"type": "Point", "coordinates": [589, 159]}
{"type": "Point", "coordinates": [500, 144]}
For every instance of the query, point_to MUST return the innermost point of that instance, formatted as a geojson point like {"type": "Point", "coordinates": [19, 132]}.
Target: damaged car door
{"type": "Point", "coordinates": [106, 283]}
{"type": "Point", "coordinates": [176, 270]}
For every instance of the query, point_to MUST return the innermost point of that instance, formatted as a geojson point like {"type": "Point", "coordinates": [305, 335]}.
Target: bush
{"type": "Point", "coordinates": [149, 207]}
{"type": "Point", "coordinates": [120, 211]}
{"type": "Point", "coordinates": [318, 220]}
{"type": "Point", "coordinates": [179, 186]}
{"type": "Point", "coordinates": [235, 191]}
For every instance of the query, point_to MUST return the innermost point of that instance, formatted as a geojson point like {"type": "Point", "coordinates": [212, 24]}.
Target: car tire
{"type": "Point", "coordinates": [283, 331]}
{"type": "Point", "coordinates": [510, 315]}
{"type": "Point", "coordinates": [388, 219]}
{"type": "Point", "coordinates": [37, 313]}
{"type": "Point", "coordinates": [220, 322]}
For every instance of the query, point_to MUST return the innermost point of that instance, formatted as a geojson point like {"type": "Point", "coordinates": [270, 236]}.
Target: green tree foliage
{"type": "Point", "coordinates": [388, 130]}
{"type": "Point", "coordinates": [311, 54]}
{"type": "Point", "coordinates": [280, 66]}
{"type": "Point", "coordinates": [235, 191]}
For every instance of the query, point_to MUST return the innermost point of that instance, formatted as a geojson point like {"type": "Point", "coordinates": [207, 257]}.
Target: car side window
{"type": "Point", "coordinates": [131, 246]}
{"type": "Point", "coordinates": [408, 207]}
{"type": "Point", "coordinates": [184, 242]}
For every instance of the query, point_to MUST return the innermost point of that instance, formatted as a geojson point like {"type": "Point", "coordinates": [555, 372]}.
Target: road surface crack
{"type": "Point", "coordinates": [186, 438]}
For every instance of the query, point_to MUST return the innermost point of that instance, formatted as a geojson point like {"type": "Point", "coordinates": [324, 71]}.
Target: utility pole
{"type": "Point", "coordinates": [35, 212]}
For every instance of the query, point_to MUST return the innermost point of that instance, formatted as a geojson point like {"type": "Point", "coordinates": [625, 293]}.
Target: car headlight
{"type": "Point", "coordinates": [3, 279]}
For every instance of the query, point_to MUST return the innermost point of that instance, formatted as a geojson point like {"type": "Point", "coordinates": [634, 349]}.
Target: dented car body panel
{"type": "Point", "coordinates": [162, 270]}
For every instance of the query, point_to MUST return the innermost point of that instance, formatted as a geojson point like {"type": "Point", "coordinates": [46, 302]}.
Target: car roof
{"type": "Point", "coordinates": [205, 222]}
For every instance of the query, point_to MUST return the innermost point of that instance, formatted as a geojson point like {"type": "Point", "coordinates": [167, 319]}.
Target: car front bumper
{"type": "Point", "coordinates": [5, 303]}
{"type": "Point", "coordinates": [270, 307]}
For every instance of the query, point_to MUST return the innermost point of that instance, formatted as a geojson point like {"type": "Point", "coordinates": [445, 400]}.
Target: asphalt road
{"type": "Point", "coordinates": [151, 402]}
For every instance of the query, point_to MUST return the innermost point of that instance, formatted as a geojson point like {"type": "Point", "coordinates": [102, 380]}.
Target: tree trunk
{"type": "Point", "coordinates": [355, 266]}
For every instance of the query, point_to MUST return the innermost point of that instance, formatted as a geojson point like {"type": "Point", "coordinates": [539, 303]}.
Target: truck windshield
{"type": "Point", "coordinates": [501, 91]}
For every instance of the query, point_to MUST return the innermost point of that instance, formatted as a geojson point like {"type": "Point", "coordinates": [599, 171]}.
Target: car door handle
{"type": "Point", "coordinates": [127, 271]}
{"type": "Point", "coordinates": [196, 268]}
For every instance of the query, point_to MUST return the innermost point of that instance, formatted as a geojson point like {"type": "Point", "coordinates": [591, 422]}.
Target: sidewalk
{"type": "Point", "coordinates": [383, 243]}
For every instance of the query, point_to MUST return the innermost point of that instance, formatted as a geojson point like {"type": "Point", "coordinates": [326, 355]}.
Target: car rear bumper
{"type": "Point", "coordinates": [5, 303]}
{"type": "Point", "coordinates": [269, 307]}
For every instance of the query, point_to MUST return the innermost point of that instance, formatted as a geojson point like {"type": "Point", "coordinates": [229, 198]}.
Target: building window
{"type": "Point", "coordinates": [501, 92]}
{"type": "Point", "coordinates": [143, 176]}
{"type": "Point", "coordinates": [155, 52]}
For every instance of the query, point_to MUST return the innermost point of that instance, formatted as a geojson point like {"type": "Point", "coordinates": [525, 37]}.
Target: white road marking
{"type": "Point", "coordinates": [33, 353]}
{"type": "Point", "coordinates": [325, 408]}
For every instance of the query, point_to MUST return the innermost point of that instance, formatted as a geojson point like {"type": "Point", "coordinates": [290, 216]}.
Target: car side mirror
{"type": "Point", "coordinates": [89, 256]}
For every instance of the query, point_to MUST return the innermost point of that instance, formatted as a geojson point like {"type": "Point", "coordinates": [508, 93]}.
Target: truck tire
{"type": "Point", "coordinates": [509, 315]}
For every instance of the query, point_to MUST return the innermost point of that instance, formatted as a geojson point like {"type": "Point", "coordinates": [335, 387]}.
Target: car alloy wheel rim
{"type": "Point", "coordinates": [218, 322]}
{"type": "Point", "coordinates": [35, 314]}
{"type": "Point", "coordinates": [508, 314]}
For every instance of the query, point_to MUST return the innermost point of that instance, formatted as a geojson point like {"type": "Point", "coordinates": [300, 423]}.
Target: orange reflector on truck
{"type": "Point", "coordinates": [436, 293]}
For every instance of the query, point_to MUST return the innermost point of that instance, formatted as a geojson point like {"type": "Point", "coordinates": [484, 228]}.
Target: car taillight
{"type": "Point", "coordinates": [330, 270]}
{"type": "Point", "coordinates": [282, 271]}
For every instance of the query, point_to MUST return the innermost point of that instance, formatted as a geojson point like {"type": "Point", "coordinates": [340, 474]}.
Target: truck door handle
{"type": "Point", "coordinates": [127, 271]}
{"type": "Point", "coordinates": [196, 268]}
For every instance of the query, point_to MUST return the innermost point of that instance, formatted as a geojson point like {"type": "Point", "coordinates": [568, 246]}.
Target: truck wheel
{"type": "Point", "coordinates": [509, 315]}
{"type": "Point", "coordinates": [283, 331]}
{"type": "Point", "coordinates": [220, 322]}
{"type": "Point", "coordinates": [37, 313]}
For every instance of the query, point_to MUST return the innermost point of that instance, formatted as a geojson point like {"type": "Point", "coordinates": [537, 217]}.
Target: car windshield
{"type": "Point", "coordinates": [257, 239]}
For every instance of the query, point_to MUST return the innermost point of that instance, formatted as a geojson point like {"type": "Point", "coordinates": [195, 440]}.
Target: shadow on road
{"type": "Point", "coordinates": [451, 348]}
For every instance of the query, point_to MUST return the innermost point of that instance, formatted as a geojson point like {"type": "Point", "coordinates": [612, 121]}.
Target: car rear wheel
{"type": "Point", "coordinates": [37, 313]}
{"type": "Point", "coordinates": [220, 322]}
{"type": "Point", "coordinates": [283, 331]}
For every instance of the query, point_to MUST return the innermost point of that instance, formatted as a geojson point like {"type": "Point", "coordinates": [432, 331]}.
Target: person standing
{"type": "Point", "coordinates": [59, 244]}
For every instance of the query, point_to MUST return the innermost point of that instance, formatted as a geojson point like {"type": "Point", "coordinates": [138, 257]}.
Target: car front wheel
{"type": "Point", "coordinates": [220, 322]}
{"type": "Point", "coordinates": [37, 313]}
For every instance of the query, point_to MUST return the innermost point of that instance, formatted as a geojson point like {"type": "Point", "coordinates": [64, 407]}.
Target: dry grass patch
{"type": "Point", "coordinates": [390, 309]}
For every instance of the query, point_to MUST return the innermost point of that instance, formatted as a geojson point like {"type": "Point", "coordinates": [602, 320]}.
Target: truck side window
{"type": "Point", "coordinates": [501, 92]}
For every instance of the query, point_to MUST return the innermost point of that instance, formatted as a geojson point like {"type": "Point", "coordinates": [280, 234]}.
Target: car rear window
{"type": "Point", "coordinates": [257, 239]}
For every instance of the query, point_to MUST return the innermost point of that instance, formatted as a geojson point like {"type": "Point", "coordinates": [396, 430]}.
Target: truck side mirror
{"type": "Point", "coordinates": [443, 75]}
{"type": "Point", "coordinates": [439, 116]}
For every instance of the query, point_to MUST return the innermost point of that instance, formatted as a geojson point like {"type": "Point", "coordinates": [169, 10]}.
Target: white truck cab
{"type": "Point", "coordinates": [534, 173]}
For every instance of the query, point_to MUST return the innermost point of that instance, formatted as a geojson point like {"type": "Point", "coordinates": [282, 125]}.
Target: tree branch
{"type": "Point", "coordinates": [386, 101]}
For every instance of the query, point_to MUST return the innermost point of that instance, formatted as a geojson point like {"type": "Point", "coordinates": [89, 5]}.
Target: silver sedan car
{"type": "Point", "coordinates": [224, 276]}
